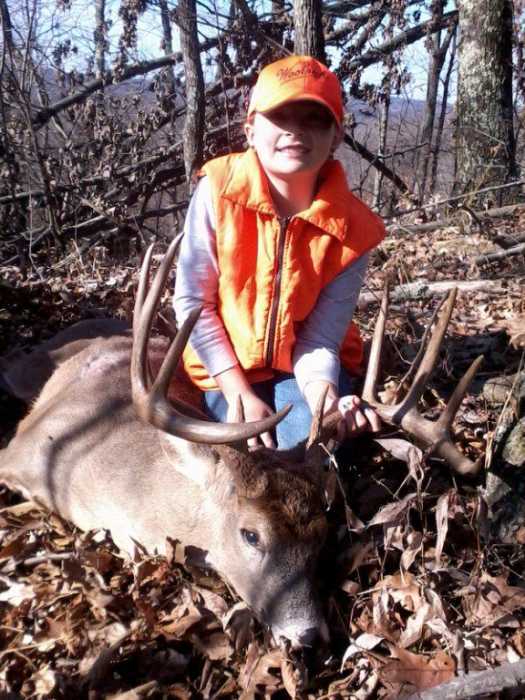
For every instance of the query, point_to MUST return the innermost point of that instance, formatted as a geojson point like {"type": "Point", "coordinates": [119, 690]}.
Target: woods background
{"type": "Point", "coordinates": [106, 111]}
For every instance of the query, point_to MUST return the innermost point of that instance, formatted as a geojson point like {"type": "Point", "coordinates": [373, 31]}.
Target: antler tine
{"type": "Point", "coordinates": [446, 418]}
{"type": "Point", "coordinates": [407, 379]}
{"type": "Point", "coordinates": [152, 403]}
{"type": "Point", "coordinates": [372, 371]}
{"type": "Point", "coordinates": [429, 359]}
{"type": "Point", "coordinates": [316, 426]}
{"type": "Point", "coordinates": [146, 304]}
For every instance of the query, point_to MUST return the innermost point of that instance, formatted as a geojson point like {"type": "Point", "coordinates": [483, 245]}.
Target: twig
{"type": "Point", "coordinates": [49, 556]}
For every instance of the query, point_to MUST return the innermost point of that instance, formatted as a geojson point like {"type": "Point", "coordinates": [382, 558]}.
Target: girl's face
{"type": "Point", "coordinates": [296, 138]}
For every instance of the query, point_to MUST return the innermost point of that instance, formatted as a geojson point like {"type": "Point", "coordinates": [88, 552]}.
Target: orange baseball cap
{"type": "Point", "coordinates": [297, 78]}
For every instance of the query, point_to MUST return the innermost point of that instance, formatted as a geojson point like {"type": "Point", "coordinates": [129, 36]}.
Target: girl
{"type": "Point", "coordinates": [275, 250]}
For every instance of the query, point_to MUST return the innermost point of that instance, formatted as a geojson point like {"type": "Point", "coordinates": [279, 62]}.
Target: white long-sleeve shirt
{"type": "Point", "coordinates": [318, 340]}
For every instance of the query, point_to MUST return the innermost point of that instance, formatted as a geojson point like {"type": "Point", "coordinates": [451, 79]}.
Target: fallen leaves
{"type": "Point", "coordinates": [413, 585]}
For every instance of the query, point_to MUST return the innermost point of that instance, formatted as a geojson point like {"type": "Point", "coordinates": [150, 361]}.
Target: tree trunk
{"type": "Point", "coordinates": [193, 132]}
{"type": "Point", "coordinates": [485, 144]}
{"type": "Point", "coordinates": [100, 38]}
{"type": "Point", "coordinates": [309, 36]}
{"type": "Point", "coordinates": [442, 113]}
{"type": "Point", "coordinates": [381, 150]}
{"type": "Point", "coordinates": [437, 52]}
{"type": "Point", "coordinates": [167, 42]}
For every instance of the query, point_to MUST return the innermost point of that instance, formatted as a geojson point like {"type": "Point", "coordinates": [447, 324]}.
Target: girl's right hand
{"type": "Point", "coordinates": [254, 409]}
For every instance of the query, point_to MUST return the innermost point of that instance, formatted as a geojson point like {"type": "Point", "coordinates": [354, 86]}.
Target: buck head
{"type": "Point", "coordinates": [270, 528]}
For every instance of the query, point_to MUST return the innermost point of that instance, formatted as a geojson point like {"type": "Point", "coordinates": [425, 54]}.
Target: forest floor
{"type": "Point", "coordinates": [420, 581]}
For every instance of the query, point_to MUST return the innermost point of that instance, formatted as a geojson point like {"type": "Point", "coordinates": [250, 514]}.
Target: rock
{"type": "Point", "coordinates": [496, 390]}
{"type": "Point", "coordinates": [514, 449]}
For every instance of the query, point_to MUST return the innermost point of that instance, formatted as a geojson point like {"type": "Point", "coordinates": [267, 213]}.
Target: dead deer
{"type": "Point", "coordinates": [108, 448]}
{"type": "Point", "coordinates": [84, 452]}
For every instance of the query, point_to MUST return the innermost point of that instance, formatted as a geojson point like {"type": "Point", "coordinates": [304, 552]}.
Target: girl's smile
{"type": "Point", "coordinates": [294, 138]}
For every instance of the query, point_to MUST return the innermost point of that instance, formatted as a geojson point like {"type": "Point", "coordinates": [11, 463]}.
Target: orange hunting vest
{"type": "Point", "coordinates": [271, 271]}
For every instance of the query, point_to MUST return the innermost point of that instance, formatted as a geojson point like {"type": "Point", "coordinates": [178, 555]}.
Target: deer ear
{"type": "Point", "coordinates": [195, 462]}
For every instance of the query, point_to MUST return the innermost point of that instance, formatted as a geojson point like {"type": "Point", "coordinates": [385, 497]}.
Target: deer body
{"type": "Point", "coordinates": [83, 453]}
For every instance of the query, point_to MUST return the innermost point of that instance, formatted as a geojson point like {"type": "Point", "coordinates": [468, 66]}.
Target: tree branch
{"type": "Point", "coordinates": [378, 163]}
{"type": "Point", "coordinates": [481, 683]}
{"type": "Point", "coordinates": [44, 115]}
{"type": "Point", "coordinates": [405, 38]}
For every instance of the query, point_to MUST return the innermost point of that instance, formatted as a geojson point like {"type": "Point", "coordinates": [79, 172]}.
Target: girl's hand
{"type": "Point", "coordinates": [357, 417]}
{"type": "Point", "coordinates": [254, 409]}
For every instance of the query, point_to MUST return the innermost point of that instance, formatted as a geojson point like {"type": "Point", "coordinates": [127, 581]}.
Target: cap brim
{"type": "Point", "coordinates": [304, 97]}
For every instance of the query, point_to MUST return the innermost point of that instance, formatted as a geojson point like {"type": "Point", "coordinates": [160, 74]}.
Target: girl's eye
{"type": "Point", "coordinates": [251, 537]}
{"type": "Point", "coordinates": [318, 120]}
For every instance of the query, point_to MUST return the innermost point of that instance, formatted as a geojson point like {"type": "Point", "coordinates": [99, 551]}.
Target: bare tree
{"type": "Point", "coordinates": [309, 37]}
{"type": "Point", "coordinates": [167, 43]}
{"type": "Point", "coordinates": [438, 138]}
{"type": "Point", "coordinates": [100, 38]}
{"type": "Point", "coordinates": [384, 109]}
{"type": "Point", "coordinates": [485, 145]}
{"type": "Point", "coordinates": [437, 48]}
{"type": "Point", "coordinates": [193, 132]}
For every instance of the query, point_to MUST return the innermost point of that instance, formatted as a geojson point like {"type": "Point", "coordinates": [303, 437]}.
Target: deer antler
{"type": "Point", "coordinates": [434, 435]}
{"type": "Point", "coordinates": [150, 396]}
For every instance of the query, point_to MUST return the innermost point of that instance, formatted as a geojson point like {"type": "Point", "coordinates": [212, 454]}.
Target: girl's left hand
{"type": "Point", "coordinates": [357, 417]}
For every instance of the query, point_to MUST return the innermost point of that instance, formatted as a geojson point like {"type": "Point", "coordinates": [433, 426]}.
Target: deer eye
{"type": "Point", "coordinates": [251, 537]}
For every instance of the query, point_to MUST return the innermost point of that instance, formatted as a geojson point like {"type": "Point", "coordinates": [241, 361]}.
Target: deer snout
{"type": "Point", "coordinates": [301, 637]}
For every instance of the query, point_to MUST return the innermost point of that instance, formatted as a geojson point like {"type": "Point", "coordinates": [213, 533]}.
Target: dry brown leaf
{"type": "Point", "coordinates": [403, 588]}
{"type": "Point", "coordinates": [290, 676]}
{"type": "Point", "coordinates": [419, 671]}
{"type": "Point", "coordinates": [515, 327]}
{"type": "Point", "coordinates": [413, 547]}
{"type": "Point", "coordinates": [260, 672]}
{"type": "Point", "coordinates": [45, 680]}
{"type": "Point", "coordinates": [490, 598]}
{"type": "Point", "coordinates": [15, 547]}
{"type": "Point", "coordinates": [216, 646]}
{"type": "Point", "coordinates": [211, 601]}
{"type": "Point", "coordinates": [400, 449]}
{"type": "Point", "coordinates": [238, 624]}
{"type": "Point", "coordinates": [393, 511]}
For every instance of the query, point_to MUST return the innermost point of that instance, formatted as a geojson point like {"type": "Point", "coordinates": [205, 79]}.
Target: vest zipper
{"type": "Point", "coordinates": [274, 309]}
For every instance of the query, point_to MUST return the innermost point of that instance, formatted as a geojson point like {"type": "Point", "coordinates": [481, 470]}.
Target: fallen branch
{"type": "Point", "coordinates": [482, 683]}
{"type": "Point", "coordinates": [426, 290]}
{"type": "Point", "coordinates": [499, 255]}
{"type": "Point", "coordinates": [441, 223]}
{"type": "Point", "coordinates": [509, 241]}
{"type": "Point", "coordinates": [459, 197]}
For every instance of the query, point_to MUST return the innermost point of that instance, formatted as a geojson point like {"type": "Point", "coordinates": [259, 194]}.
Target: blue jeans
{"type": "Point", "coordinates": [277, 392]}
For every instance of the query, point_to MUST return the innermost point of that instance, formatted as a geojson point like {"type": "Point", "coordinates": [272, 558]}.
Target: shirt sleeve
{"type": "Point", "coordinates": [319, 339]}
{"type": "Point", "coordinates": [196, 283]}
